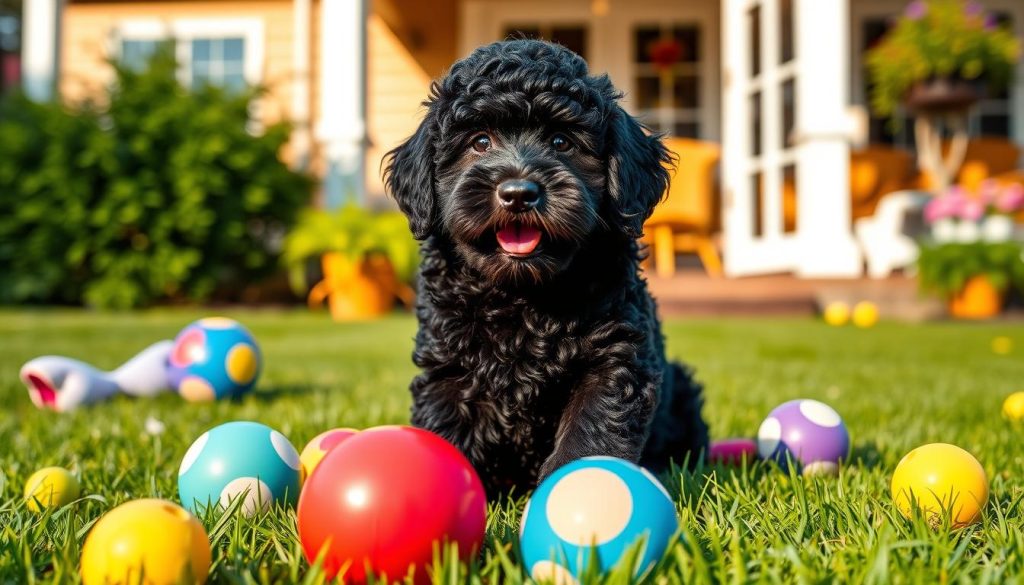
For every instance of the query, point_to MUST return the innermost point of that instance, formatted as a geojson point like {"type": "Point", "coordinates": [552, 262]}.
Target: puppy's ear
{"type": "Point", "coordinates": [637, 177]}
{"type": "Point", "coordinates": [409, 178]}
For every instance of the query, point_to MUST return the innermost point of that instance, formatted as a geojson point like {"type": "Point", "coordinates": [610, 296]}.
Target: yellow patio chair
{"type": "Point", "coordinates": [986, 157]}
{"type": "Point", "coordinates": [683, 223]}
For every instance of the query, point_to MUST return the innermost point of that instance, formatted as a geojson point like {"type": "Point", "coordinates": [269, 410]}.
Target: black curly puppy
{"type": "Point", "coordinates": [538, 340]}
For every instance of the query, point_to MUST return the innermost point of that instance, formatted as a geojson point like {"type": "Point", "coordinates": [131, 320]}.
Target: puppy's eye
{"type": "Point", "coordinates": [481, 143]}
{"type": "Point", "coordinates": [560, 143]}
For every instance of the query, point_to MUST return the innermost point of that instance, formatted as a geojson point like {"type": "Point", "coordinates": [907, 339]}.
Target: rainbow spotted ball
{"type": "Point", "coordinates": [214, 358]}
{"type": "Point", "coordinates": [239, 459]}
{"type": "Point", "coordinates": [807, 432]}
{"type": "Point", "coordinates": [600, 502]}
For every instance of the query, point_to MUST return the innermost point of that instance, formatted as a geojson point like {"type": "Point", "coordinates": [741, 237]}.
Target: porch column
{"type": "Point", "coordinates": [300, 83]}
{"type": "Point", "coordinates": [826, 244]}
{"type": "Point", "coordinates": [342, 126]}
{"type": "Point", "coordinates": [40, 48]}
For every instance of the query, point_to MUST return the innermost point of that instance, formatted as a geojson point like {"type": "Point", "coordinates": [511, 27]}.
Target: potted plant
{"type": "Point", "coordinates": [368, 258]}
{"type": "Point", "coordinates": [971, 258]}
{"type": "Point", "coordinates": [938, 57]}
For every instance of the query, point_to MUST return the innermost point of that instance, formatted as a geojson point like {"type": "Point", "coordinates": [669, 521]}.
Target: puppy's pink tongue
{"type": "Point", "coordinates": [518, 238]}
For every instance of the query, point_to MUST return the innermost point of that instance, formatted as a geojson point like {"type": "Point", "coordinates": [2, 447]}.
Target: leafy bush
{"type": "Point", "coordinates": [159, 194]}
{"type": "Point", "coordinates": [940, 39]}
{"type": "Point", "coordinates": [945, 268]}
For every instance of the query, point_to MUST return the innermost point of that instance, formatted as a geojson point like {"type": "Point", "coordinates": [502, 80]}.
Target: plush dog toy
{"type": "Point", "coordinates": [62, 383]}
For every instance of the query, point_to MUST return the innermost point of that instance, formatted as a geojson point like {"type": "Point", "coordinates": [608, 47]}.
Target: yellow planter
{"type": "Point", "coordinates": [358, 290]}
{"type": "Point", "coordinates": [978, 300]}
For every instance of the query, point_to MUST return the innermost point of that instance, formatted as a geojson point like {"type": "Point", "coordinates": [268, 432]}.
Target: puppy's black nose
{"type": "Point", "coordinates": [518, 195]}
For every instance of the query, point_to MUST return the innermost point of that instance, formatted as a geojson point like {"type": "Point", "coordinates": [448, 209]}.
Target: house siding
{"type": "Point", "coordinates": [88, 37]}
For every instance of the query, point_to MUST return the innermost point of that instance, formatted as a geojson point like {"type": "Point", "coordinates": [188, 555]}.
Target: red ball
{"type": "Point", "coordinates": [732, 451]}
{"type": "Point", "coordinates": [381, 499]}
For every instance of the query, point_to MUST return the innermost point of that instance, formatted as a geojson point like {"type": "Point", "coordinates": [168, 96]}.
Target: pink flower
{"type": "Point", "coordinates": [1011, 199]}
{"type": "Point", "coordinates": [988, 191]}
{"type": "Point", "coordinates": [972, 209]}
{"type": "Point", "coordinates": [916, 10]}
{"type": "Point", "coordinates": [937, 209]}
{"type": "Point", "coordinates": [973, 9]}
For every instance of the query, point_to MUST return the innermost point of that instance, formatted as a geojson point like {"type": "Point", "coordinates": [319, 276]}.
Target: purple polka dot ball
{"type": "Point", "coordinates": [809, 433]}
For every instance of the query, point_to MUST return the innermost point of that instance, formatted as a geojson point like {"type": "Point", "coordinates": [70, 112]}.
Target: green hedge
{"type": "Point", "coordinates": [160, 194]}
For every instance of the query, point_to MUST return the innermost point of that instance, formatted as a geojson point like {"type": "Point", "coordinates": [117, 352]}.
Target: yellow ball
{"type": "Point", "coordinates": [1002, 345]}
{"type": "Point", "coordinates": [1013, 407]}
{"type": "Point", "coordinates": [155, 538]}
{"type": "Point", "coordinates": [865, 314]}
{"type": "Point", "coordinates": [941, 478]}
{"type": "Point", "coordinates": [315, 450]}
{"type": "Point", "coordinates": [836, 313]}
{"type": "Point", "coordinates": [51, 487]}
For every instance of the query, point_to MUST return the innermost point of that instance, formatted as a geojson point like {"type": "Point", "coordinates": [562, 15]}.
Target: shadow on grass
{"type": "Point", "coordinates": [865, 455]}
{"type": "Point", "coordinates": [275, 393]}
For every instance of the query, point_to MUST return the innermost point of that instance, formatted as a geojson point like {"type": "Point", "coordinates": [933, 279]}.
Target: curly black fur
{"type": "Point", "coordinates": [533, 360]}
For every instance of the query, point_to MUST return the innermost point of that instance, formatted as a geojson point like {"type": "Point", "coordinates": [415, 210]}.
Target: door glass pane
{"type": "Point", "coordinates": [755, 124]}
{"type": "Point", "coordinates": [754, 26]}
{"type": "Point", "coordinates": [757, 190]}
{"type": "Point", "coordinates": [789, 200]}
{"type": "Point", "coordinates": [788, 111]}
{"type": "Point", "coordinates": [786, 32]}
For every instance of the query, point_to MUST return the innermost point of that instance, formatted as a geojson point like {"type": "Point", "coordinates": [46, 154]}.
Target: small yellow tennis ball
{"type": "Point", "coordinates": [154, 538]}
{"type": "Point", "coordinates": [865, 314]}
{"type": "Point", "coordinates": [1002, 345]}
{"type": "Point", "coordinates": [940, 477]}
{"type": "Point", "coordinates": [1013, 407]}
{"type": "Point", "coordinates": [836, 313]}
{"type": "Point", "coordinates": [51, 487]}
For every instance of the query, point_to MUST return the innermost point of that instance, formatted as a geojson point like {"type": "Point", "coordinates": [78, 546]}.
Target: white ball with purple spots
{"type": "Point", "coordinates": [806, 432]}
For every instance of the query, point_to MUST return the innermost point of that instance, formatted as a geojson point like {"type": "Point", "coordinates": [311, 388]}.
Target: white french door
{"type": "Point", "coordinates": [785, 141]}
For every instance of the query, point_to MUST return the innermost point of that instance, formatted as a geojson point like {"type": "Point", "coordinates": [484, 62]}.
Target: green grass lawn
{"type": "Point", "coordinates": [897, 386]}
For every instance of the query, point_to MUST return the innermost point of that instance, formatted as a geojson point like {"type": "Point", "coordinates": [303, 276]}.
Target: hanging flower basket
{"type": "Point", "coordinates": [942, 95]}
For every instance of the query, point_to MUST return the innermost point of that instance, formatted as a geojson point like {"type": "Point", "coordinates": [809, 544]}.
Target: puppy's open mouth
{"type": "Point", "coordinates": [518, 239]}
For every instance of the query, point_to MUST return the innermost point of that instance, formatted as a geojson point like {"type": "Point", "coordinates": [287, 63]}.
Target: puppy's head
{"type": "Point", "coordinates": [523, 157]}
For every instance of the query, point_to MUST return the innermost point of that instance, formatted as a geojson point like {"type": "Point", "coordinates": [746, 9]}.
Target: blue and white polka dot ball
{"type": "Point", "coordinates": [212, 359]}
{"type": "Point", "coordinates": [239, 459]}
{"type": "Point", "coordinates": [599, 502]}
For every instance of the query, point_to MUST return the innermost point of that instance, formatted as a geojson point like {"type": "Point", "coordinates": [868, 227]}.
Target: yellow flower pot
{"type": "Point", "coordinates": [359, 290]}
{"type": "Point", "coordinates": [977, 300]}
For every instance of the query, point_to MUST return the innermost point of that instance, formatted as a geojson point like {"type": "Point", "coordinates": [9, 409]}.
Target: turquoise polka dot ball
{"type": "Point", "coordinates": [600, 503]}
{"type": "Point", "coordinates": [239, 459]}
{"type": "Point", "coordinates": [214, 358]}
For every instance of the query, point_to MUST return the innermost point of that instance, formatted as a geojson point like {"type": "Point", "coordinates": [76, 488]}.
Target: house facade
{"type": "Point", "coordinates": [779, 84]}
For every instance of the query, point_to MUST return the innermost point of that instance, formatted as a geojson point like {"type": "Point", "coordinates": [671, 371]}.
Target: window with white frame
{"type": "Point", "coordinates": [227, 53]}
{"type": "Point", "coordinates": [667, 80]}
